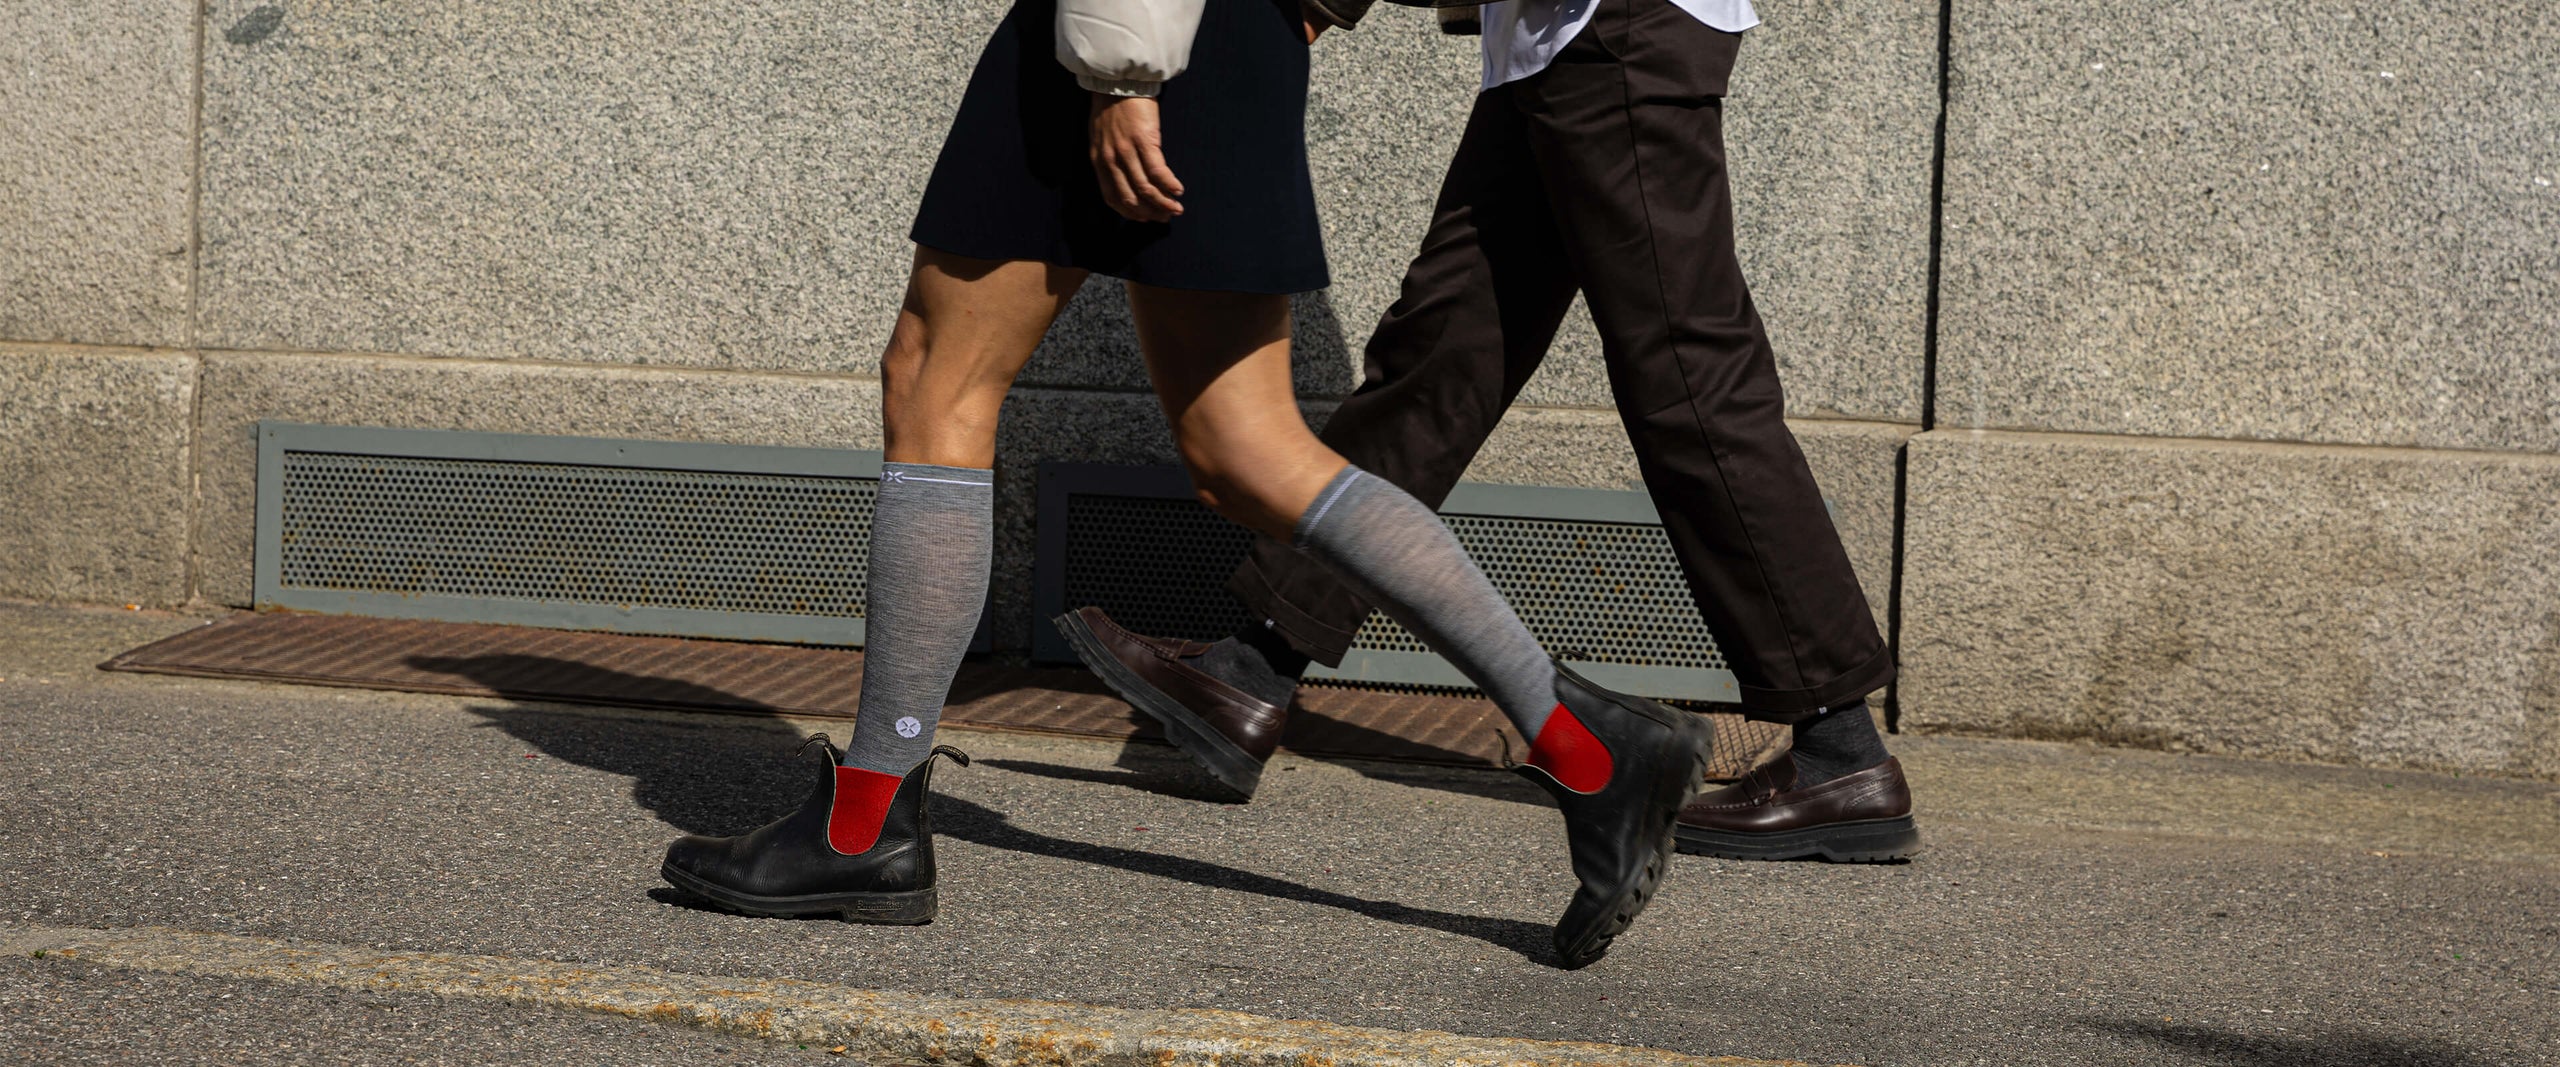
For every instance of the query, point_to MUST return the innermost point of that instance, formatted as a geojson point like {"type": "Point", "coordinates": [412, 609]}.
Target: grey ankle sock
{"type": "Point", "coordinates": [932, 534]}
{"type": "Point", "coordinates": [1399, 556]}
{"type": "Point", "coordinates": [1841, 740]}
{"type": "Point", "coordinates": [1284, 658]}
{"type": "Point", "coordinates": [1248, 668]}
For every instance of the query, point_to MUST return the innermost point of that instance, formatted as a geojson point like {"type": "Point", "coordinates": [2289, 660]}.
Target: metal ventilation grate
{"type": "Point", "coordinates": [1162, 565]}
{"type": "Point", "coordinates": [1607, 590]}
{"type": "Point", "coordinates": [1589, 571]}
{"type": "Point", "coordinates": [578, 533]}
{"type": "Point", "coordinates": [679, 539]}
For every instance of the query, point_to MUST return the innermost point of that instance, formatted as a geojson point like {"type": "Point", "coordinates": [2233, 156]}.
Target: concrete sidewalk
{"type": "Point", "coordinates": [2074, 905]}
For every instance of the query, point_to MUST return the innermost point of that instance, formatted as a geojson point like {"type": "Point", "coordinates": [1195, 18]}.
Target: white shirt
{"type": "Point", "coordinates": [1522, 36]}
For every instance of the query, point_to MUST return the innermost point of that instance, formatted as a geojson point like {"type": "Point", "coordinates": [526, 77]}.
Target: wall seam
{"type": "Point", "coordinates": [1928, 359]}
{"type": "Point", "coordinates": [199, 13]}
{"type": "Point", "coordinates": [87, 348]}
{"type": "Point", "coordinates": [553, 364]}
{"type": "Point", "coordinates": [2229, 444]}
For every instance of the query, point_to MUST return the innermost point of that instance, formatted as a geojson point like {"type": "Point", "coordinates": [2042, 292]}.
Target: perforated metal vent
{"type": "Point", "coordinates": [1611, 591]}
{"type": "Point", "coordinates": [1158, 564]}
{"type": "Point", "coordinates": [640, 536]}
{"type": "Point", "coordinates": [1589, 571]}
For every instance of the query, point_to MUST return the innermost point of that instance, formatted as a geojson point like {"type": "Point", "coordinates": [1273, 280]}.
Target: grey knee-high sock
{"type": "Point", "coordinates": [1400, 556]}
{"type": "Point", "coordinates": [932, 534]}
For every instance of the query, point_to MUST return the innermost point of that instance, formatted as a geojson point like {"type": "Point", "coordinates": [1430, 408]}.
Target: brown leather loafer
{"type": "Point", "coordinates": [1228, 731]}
{"type": "Point", "coordinates": [1856, 818]}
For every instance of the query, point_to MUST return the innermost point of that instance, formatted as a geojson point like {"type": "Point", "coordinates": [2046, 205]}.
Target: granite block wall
{"type": "Point", "coordinates": [93, 454]}
{"type": "Point", "coordinates": [2195, 227]}
{"type": "Point", "coordinates": [97, 162]}
{"type": "Point", "coordinates": [97, 157]}
{"type": "Point", "coordinates": [2255, 219]}
{"type": "Point", "coordinates": [2392, 607]}
{"type": "Point", "coordinates": [638, 185]}
{"type": "Point", "coordinates": [2260, 299]}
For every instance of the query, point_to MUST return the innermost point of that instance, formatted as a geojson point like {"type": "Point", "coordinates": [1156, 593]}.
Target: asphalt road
{"type": "Point", "coordinates": [2074, 905]}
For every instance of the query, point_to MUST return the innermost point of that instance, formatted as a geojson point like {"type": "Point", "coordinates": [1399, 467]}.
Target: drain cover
{"type": "Point", "coordinates": [724, 676]}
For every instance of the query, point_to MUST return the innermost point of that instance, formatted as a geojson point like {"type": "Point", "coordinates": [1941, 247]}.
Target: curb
{"type": "Point", "coordinates": [873, 1025]}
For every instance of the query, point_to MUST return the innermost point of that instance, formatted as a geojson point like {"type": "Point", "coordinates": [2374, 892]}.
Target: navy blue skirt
{"type": "Point", "coordinates": [1013, 181]}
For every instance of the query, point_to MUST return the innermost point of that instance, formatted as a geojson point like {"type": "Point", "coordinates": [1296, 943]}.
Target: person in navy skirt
{"type": "Point", "coordinates": [1160, 142]}
{"type": "Point", "coordinates": [1212, 194]}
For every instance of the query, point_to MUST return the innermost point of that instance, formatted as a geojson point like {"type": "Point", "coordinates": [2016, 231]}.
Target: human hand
{"type": "Point", "coordinates": [1127, 150]}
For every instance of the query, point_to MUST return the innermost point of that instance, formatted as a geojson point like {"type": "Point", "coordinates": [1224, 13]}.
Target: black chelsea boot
{"type": "Point", "coordinates": [1619, 767]}
{"type": "Point", "coordinates": [861, 847]}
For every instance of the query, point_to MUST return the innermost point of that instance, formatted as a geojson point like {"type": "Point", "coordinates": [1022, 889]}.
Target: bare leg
{"type": "Point", "coordinates": [1619, 768]}
{"type": "Point", "coordinates": [1220, 364]}
{"type": "Point", "coordinates": [854, 848]}
{"type": "Point", "coordinates": [964, 331]}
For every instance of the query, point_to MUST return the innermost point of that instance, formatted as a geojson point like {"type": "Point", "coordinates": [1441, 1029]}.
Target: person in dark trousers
{"type": "Point", "coordinates": [1081, 147]}
{"type": "Point", "coordinates": [1593, 163]}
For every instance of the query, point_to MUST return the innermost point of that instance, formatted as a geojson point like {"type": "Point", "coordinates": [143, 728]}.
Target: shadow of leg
{"type": "Point", "coordinates": [976, 824]}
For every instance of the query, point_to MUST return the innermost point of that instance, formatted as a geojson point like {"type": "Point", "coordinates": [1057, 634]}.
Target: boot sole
{"type": "Point", "coordinates": [1624, 910]}
{"type": "Point", "coordinates": [1865, 841]}
{"type": "Point", "coordinates": [914, 907]}
{"type": "Point", "coordinates": [1232, 767]}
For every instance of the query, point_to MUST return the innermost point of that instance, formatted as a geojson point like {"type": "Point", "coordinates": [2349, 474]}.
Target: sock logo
{"type": "Point", "coordinates": [909, 727]}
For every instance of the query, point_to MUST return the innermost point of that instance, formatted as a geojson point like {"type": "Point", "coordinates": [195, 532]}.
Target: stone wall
{"type": "Point", "coordinates": [2261, 302]}
{"type": "Point", "coordinates": [2174, 235]}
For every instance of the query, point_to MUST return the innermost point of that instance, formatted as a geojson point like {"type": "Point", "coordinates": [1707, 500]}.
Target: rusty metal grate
{"type": "Point", "coordinates": [721, 676]}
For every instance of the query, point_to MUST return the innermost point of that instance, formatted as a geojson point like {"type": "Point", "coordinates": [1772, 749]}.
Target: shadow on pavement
{"type": "Point", "coordinates": [1400, 760]}
{"type": "Point", "coordinates": [2327, 1048]}
{"type": "Point", "coordinates": [983, 826]}
{"type": "Point", "coordinates": [1143, 778]}
{"type": "Point", "coordinates": [727, 776]}
{"type": "Point", "coordinates": [1483, 783]}
{"type": "Point", "coordinates": [1153, 767]}
{"type": "Point", "coordinates": [1416, 763]}
{"type": "Point", "coordinates": [531, 676]}
{"type": "Point", "coordinates": [717, 778]}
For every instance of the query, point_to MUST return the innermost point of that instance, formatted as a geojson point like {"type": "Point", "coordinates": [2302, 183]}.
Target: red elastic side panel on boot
{"type": "Point", "coordinates": [862, 804]}
{"type": "Point", "coordinates": [1566, 749]}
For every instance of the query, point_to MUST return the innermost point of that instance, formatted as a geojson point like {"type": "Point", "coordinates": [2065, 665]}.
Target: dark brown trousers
{"type": "Point", "coordinates": [1605, 174]}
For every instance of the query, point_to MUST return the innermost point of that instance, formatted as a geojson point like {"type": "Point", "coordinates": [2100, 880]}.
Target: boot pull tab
{"type": "Point", "coordinates": [955, 755]}
{"type": "Point", "coordinates": [833, 753]}
{"type": "Point", "coordinates": [1508, 763]}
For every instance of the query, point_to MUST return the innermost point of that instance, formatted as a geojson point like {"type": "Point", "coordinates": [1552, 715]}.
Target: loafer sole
{"type": "Point", "coordinates": [1232, 767]}
{"type": "Point", "coordinates": [1862, 841]}
{"type": "Point", "coordinates": [914, 907]}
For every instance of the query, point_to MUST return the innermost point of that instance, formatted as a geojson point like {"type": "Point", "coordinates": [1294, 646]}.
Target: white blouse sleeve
{"type": "Point", "coordinates": [1126, 47]}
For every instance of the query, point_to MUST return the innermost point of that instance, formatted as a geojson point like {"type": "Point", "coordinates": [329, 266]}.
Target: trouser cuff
{"type": "Point", "coordinates": [1313, 638]}
{"type": "Point", "coordinates": [1796, 705]}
